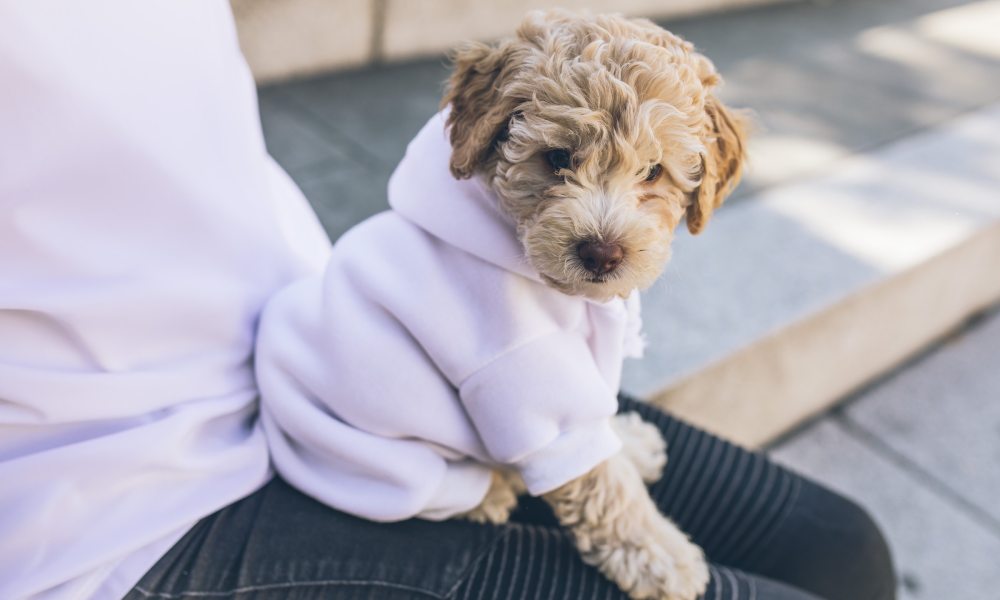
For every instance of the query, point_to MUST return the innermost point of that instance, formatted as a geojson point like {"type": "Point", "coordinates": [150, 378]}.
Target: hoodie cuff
{"type": "Point", "coordinates": [462, 488]}
{"type": "Point", "coordinates": [569, 456]}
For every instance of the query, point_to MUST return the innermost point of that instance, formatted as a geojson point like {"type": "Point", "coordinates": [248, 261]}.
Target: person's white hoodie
{"type": "Point", "coordinates": [142, 228]}
{"type": "Point", "coordinates": [428, 350]}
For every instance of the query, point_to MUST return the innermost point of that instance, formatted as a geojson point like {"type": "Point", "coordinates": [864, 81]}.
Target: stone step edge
{"type": "Point", "coordinates": [296, 39]}
{"type": "Point", "coordinates": [771, 385]}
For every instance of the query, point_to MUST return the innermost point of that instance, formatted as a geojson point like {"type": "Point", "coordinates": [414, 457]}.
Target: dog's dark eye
{"type": "Point", "coordinates": [559, 159]}
{"type": "Point", "coordinates": [654, 173]}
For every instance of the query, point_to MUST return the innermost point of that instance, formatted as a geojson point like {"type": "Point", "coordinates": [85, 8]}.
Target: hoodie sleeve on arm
{"type": "Point", "coordinates": [544, 408]}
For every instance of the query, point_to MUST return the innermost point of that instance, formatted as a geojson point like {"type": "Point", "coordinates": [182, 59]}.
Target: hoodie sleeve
{"type": "Point", "coordinates": [309, 389]}
{"type": "Point", "coordinates": [515, 351]}
{"type": "Point", "coordinates": [544, 409]}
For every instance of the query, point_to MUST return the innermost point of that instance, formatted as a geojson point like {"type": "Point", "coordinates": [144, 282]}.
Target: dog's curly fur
{"type": "Point", "coordinates": [620, 95]}
{"type": "Point", "coordinates": [643, 142]}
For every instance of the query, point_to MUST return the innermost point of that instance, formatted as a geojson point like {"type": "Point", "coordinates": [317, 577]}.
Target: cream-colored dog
{"type": "Point", "coordinates": [598, 134]}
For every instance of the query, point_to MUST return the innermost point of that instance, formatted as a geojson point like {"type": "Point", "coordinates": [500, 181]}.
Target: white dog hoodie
{"type": "Point", "coordinates": [430, 350]}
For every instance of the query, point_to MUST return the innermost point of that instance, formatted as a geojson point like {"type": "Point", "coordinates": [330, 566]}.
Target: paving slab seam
{"type": "Point", "coordinates": [377, 44]}
{"type": "Point", "coordinates": [924, 477]}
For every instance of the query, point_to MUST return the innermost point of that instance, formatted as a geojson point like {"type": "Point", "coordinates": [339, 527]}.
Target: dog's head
{"type": "Point", "coordinates": [598, 135]}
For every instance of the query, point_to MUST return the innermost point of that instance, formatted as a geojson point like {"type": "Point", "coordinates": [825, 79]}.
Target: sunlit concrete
{"type": "Point", "coordinates": [801, 293]}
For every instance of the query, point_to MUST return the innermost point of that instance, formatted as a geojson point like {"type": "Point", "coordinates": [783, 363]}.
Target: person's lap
{"type": "Point", "coordinates": [750, 514]}
{"type": "Point", "coordinates": [759, 525]}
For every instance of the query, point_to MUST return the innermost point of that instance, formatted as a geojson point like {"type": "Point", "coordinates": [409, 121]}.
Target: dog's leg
{"type": "Point", "coordinates": [618, 529]}
{"type": "Point", "coordinates": [499, 501]}
{"type": "Point", "coordinates": [643, 444]}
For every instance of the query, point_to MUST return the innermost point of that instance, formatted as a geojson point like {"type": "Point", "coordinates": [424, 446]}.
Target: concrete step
{"type": "Point", "coordinates": [871, 199]}
{"type": "Point", "coordinates": [800, 294]}
{"type": "Point", "coordinates": [293, 38]}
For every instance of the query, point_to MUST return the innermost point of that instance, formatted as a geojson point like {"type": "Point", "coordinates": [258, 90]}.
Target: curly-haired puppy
{"type": "Point", "coordinates": [598, 135]}
{"type": "Point", "coordinates": [467, 345]}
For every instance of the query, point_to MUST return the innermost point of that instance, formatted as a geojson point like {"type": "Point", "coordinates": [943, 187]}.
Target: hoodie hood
{"type": "Point", "coordinates": [461, 212]}
{"type": "Point", "coordinates": [464, 214]}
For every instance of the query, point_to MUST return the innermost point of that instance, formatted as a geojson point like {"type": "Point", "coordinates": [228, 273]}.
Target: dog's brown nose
{"type": "Point", "coordinates": [600, 258]}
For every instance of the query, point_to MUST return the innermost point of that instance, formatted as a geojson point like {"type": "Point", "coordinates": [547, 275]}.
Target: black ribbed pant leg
{"type": "Point", "coordinates": [768, 534]}
{"type": "Point", "coordinates": [278, 544]}
{"type": "Point", "coordinates": [750, 514]}
{"type": "Point", "coordinates": [539, 562]}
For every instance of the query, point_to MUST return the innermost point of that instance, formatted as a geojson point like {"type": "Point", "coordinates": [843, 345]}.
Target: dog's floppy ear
{"type": "Point", "coordinates": [724, 139]}
{"type": "Point", "coordinates": [479, 114]}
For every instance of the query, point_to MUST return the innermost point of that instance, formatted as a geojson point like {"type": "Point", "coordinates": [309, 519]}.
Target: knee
{"type": "Point", "coordinates": [862, 552]}
{"type": "Point", "coordinates": [835, 549]}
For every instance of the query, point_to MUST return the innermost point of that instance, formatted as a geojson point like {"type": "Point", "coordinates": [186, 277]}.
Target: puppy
{"type": "Point", "coordinates": [466, 346]}
{"type": "Point", "coordinates": [598, 135]}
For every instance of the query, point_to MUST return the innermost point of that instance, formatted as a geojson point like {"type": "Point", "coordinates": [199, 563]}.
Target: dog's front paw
{"type": "Point", "coordinates": [642, 444]}
{"type": "Point", "coordinates": [499, 501]}
{"type": "Point", "coordinates": [618, 528]}
{"type": "Point", "coordinates": [658, 564]}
